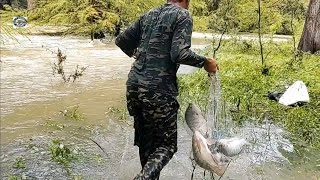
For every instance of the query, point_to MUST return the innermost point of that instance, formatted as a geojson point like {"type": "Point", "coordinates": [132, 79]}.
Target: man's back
{"type": "Point", "coordinates": [163, 39]}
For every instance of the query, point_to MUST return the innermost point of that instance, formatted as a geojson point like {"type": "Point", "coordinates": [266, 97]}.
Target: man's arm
{"type": "Point", "coordinates": [128, 40]}
{"type": "Point", "coordinates": [181, 43]}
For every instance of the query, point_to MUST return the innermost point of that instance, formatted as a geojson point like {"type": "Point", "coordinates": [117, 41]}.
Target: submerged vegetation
{"type": "Point", "coordinates": [73, 113]}
{"type": "Point", "coordinates": [245, 89]}
{"type": "Point", "coordinates": [64, 156]}
{"type": "Point", "coordinates": [61, 153]}
{"type": "Point", "coordinates": [58, 68]}
{"type": "Point", "coordinates": [20, 163]}
{"type": "Point", "coordinates": [121, 113]}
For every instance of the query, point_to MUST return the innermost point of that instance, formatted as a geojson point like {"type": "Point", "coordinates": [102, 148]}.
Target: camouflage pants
{"type": "Point", "coordinates": [155, 123]}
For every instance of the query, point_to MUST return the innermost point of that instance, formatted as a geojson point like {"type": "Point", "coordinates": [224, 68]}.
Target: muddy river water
{"type": "Point", "coordinates": [34, 102]}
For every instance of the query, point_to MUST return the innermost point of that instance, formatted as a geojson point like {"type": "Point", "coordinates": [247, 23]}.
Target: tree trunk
{"type": "Point", "coordinates": [310, 38]}
{"type": "Point", "coordinates": [31, 4]}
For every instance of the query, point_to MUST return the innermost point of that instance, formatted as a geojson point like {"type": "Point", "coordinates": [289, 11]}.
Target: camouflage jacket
{"type": "Point", "coordinates": [159, 40]}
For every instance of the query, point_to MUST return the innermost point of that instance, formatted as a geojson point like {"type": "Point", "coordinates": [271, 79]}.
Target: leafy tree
{"type": "Point", "coordinates": [87, 16]}
{"type": "Point", "coordinates": [224, 17]}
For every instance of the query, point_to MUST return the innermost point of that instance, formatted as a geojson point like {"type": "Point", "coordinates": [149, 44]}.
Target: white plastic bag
{"type": "Point", "coordinates": [297, 92]}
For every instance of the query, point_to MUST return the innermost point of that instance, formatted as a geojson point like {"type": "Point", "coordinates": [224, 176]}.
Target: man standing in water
{"type": "Point", "coordinates": [159, 40]}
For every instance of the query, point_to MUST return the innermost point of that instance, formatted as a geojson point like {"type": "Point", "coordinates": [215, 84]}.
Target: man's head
{"type": "Point", "coordinates": [182, 3]}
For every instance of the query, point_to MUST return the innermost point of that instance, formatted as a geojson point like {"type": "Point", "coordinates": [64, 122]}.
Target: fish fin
{"type": "Point", "coordinates": [219, 168]}
{"type": "Point", "coordinates": [214, 158]}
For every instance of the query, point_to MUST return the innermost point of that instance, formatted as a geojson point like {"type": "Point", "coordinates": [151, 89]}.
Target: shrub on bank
{"type": "Point", "coordinates": [85, 16]}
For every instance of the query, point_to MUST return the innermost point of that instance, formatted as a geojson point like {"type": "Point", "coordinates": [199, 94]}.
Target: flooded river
{"type": "Point", "coordinates": [34, 104]}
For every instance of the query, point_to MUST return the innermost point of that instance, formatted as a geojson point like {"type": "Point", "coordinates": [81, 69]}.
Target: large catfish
{"type": "Point", "coordinates": [195, 120]}
{"type": "Point", "coordinates": [212, 161]}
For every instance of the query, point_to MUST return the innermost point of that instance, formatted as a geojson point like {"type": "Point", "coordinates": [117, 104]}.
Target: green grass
{"type": "Point", "coordinates": [193, 88]}
{"type": "Point", "coordinates": [19, 163]}
{"type": "Point", "coordinates": [61, 153]}
{"type": "Point", "coordinates": [17, 177]}
{"type": "Point", "coordinates": [242, 80]}
{"type": "Point", "coordinates": [77, 177]}
{"type": "Point", "coordinates": [13, 177]}
{"type": "Point", "coordinates": [73, 114]}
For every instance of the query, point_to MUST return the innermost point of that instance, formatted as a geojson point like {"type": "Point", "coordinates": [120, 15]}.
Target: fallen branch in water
{"type": "Point", "coordinates": [58, 68]}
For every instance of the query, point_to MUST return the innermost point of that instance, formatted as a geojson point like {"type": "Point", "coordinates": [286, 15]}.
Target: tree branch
{"type": "Point", "coordinates": [259, 32]}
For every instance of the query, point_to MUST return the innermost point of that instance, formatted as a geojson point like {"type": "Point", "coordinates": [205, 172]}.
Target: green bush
{"type": "Point", "coordinates": [87, 16]}
{"type": "Point", "coordinates": [201, 23]}
{"type": "Point", "coordinates": [193, 88]}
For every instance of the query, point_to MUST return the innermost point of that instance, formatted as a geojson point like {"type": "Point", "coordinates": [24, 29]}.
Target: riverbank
{"type": "Point", "coordinates": [242, 37]}
{"type": "Point", "coordinates": [49, 30]}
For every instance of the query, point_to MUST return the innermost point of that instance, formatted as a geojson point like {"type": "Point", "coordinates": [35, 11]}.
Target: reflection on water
{"type": "Point", "coordinates": [32, 100]}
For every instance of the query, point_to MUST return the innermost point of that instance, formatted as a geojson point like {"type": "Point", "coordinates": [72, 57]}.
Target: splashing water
{"type": "Point", "coordinates": [218, 119]}
{"type": "Point", "coordinates": [266, 139]}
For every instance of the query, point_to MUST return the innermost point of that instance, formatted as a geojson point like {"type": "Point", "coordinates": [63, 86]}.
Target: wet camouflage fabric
{"type": "Point", "coordinates": [155, 123]}
{"type": "Point", "coordinates": [160, 40]}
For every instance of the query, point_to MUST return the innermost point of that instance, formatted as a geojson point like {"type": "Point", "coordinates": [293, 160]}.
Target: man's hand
{"type": "Point", "coordinates": [211, 66]}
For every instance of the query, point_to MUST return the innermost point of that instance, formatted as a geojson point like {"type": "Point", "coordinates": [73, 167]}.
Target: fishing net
{"type": "Point", "coordinates": [218, 120]}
